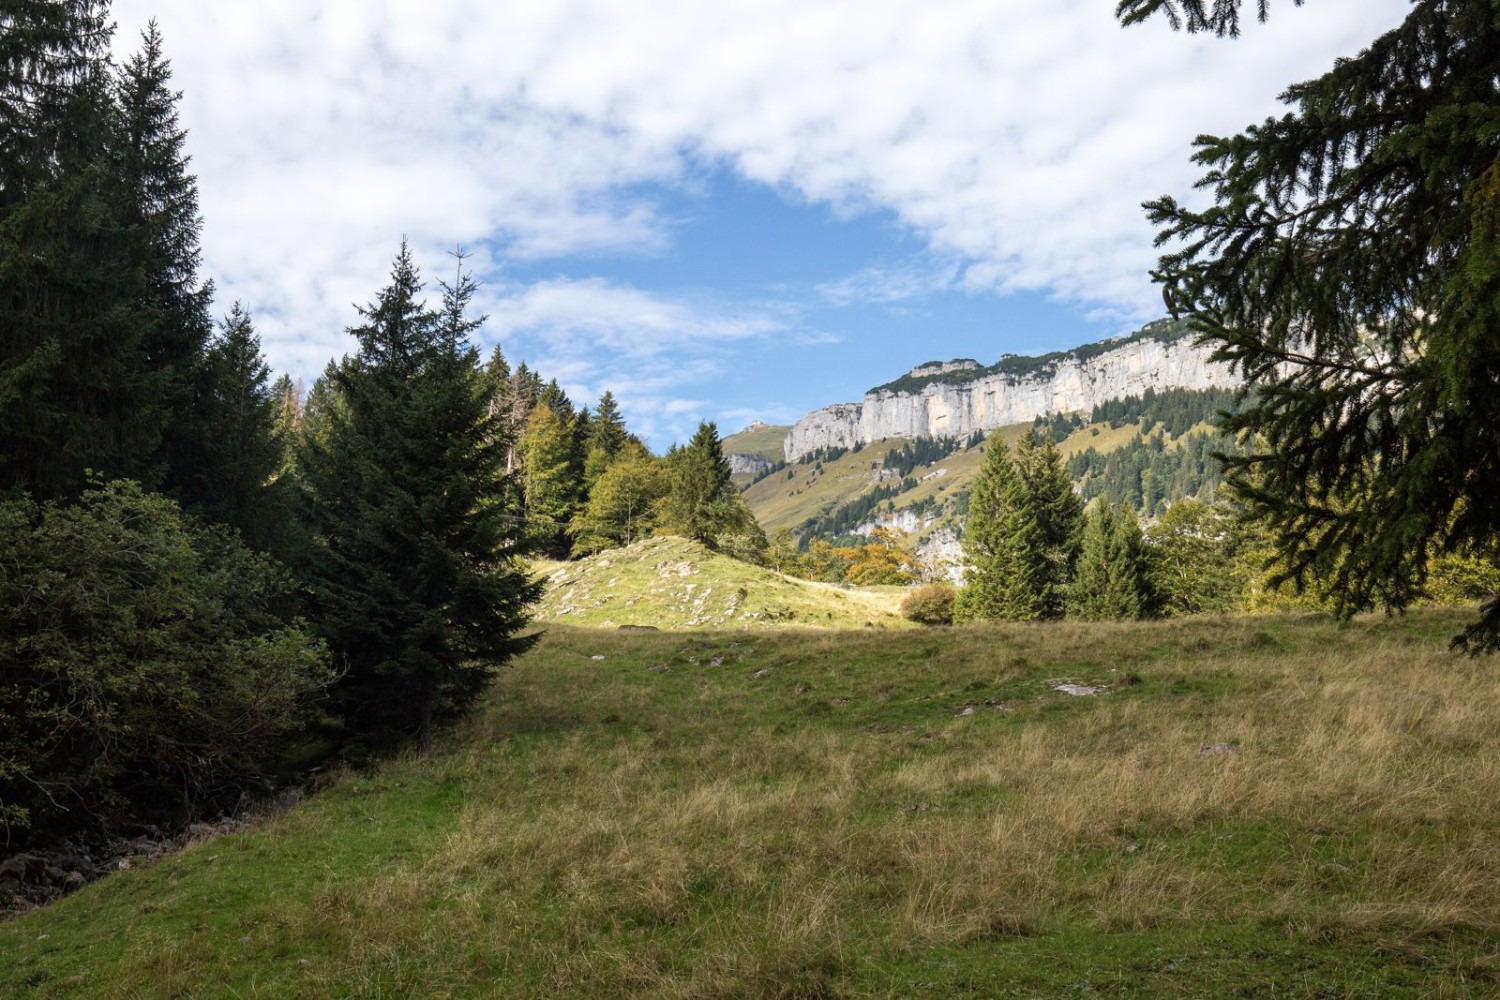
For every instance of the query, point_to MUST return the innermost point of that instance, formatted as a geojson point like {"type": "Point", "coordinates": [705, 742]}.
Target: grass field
{"type": "Point", "coordinates": [1251, 807]}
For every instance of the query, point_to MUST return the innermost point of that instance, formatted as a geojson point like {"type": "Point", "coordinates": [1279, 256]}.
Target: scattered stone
{"type": "Point", "coordinates": [1218, 749]}
{"type": "Point", "coordinates": [967, 710]}
{"type": "Point", "coordinates": [1079, 690]}
{"type": "Point", "coordinates": [660, 668]}
{"type": "Point", "coordinates": [717, 661]}
{"type": "Point", "coordinates": [596, 657]}
{"type": "Point", "coordinates": [761, 673]}
{"type": "Point", "coordinates": [1132, 848]}
{"type": "Point", "coordinates": [918, 807]}
{"type": "Point", "coordinates": [839, 702]}
{"type": "Point", "coordinates": [801, 689]}
{"type": "Point", "coordinates": [639, 628]}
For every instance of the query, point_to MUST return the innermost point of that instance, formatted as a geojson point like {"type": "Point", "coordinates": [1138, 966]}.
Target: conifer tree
{"type": "Point", "coordinates": [1009, 574]}
{"type": "Point", "coordinates": [549, 483]}
{"type": "Point", "coordinates": [161, 211]}
{"type": "Point", "coordinates": [1349, 267]}
{"type": "Point", "coordinates": [1110, 584]}
{"type": "Point", "coordinates": [413, 576]}
{"type": "Point", "coordinates": [75, 390]}
{"type": "Point", "coordinates": [239, 452]}
{"type": "Point", "coordinates": [607, 437]}
{"type": "Point", "coordinates": [703, 503]}
{"type": "Point", "coordinates": [1058, 512]}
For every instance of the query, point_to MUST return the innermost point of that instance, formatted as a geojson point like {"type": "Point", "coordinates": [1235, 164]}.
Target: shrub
{"type": "Point", "coordinates": [146, 666]}
{"type": "Point", "coordinates": [930, 604]}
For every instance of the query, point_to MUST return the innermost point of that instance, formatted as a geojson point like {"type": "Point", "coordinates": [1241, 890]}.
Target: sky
{"type": "Point", "coordinates": [732, 210]}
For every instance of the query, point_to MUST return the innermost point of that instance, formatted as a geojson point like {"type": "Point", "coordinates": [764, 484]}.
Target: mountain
{"type": "Point", "coordinates": [1132, 417]}
{"type": "Point", "coordinates": [955, 399]}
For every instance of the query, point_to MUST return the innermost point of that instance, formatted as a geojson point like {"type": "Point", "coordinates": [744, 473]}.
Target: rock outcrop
{"type": "Point", "coordinates": [749, 465]}
{"type": "Point", "coordinates": [955, 399]}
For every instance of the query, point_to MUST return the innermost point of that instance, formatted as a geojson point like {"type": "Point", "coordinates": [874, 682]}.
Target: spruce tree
{"type": "Point", "coordinates": [235, 479]}
{"type": "Point", "coordinates": [161, 211]}
{"type": "Point", "coordinates": [1058, 512]}
{"type": "Point", "coordinates": [607, 437]}
{"type": "Point", "coordinates": [413, 574]}
{"type": "Point", "coordinates": [1009, 575]}
{"type": "Point", "coordinates": [549, 481]}
{"type": "Point", "coordinates": [1110, 584]}
{"type": "Point", "coordinates": [1349, 267]}
{"type": "Point", "coordinates": [76, 391]}
{"type": "Point", "coordinates": [703, 503]}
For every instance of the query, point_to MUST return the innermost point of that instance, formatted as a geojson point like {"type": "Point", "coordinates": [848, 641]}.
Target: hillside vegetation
{"type": "Point", "coordinates": [675, 583]}
{"type": "Point", "coordinates": [1146, 451]}
{"type": "Point", "coordinates": [1244, 807]}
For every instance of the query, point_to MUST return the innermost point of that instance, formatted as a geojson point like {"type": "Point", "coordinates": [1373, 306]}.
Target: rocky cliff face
{"type": "Point", "coordinates": [958, 401]}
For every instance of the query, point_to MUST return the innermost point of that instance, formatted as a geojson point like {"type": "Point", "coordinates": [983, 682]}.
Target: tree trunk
{"type": "Point", "coordinates": [424, 723]}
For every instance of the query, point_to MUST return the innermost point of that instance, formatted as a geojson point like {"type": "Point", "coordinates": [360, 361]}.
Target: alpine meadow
{"type": "Point", "coordinates": [434, 560]}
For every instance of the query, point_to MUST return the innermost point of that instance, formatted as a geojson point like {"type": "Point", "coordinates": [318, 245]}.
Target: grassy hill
{"type": "Point", "coordinates": [674, 583]}
{"type": "Point", "coordinates": [1248, 807]}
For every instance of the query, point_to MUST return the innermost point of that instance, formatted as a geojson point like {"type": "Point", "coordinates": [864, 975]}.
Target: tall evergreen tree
{"type": "Point", "coordinates": [1059, 515]}
{"type": "Point", "coordinates": [549, 480]}
{"type": "Point", "coordinates": [1009, 572]}
{"type": "Point", "coordinates": [607, 437]}
{"type": "Point", "coordinates": [76, 392]}
{"type": "Point", "coordinates": [703, 503]}
{"type": "Point", "coordinates": [1110, 584]}
{"type": "Point", "coordinates": [413, 577]}
{"type": "Point", "coordinates": [1349, 267]}
{"type": "Point", "coordinates": [161, 211]}
{"type": "Point", "coordinates": [240, 453]}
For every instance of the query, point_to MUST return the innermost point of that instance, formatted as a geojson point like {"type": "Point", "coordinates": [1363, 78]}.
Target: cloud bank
{"type": "Point", "coordinates": [1015, 139]}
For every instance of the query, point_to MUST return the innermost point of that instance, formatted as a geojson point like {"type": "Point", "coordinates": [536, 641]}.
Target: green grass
{"type": "Point", "coordinates": [812, 814]}
{"type": "Point", "coordinates": [673, 583]}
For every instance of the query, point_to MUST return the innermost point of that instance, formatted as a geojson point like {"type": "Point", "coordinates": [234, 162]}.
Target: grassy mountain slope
{"type": "Point", "coordinates": [813, 488]}
{"type": "Point", "coordinates": [674, 583]}
{"type": "Point", "coordinates": [765, 441]}
{"type": "Point", "coordinates": [1249, 807]}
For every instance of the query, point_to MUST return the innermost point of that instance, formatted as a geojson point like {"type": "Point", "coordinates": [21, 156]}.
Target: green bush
{"type": "Point", "coordinates": [930, 604]}
{"type": "Point", "coordinates": [147, 668]}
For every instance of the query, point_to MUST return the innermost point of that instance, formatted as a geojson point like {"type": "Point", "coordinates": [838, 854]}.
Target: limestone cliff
{"type": "Point", "coordinates": [955, 399]}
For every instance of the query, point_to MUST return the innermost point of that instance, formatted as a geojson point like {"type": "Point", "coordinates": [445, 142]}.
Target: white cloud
{"type": "Point", "coordinates": [1016, 138]}
{"type": "Point", "coordinates": [593, 335]}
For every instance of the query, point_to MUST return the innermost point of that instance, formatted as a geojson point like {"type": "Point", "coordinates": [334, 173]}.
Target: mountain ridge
{"type": "Point", "coordinates": [957, 398]}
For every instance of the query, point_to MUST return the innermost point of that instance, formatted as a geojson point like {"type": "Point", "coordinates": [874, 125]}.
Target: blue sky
{"type": "Point", "coordinates": [735, 210]}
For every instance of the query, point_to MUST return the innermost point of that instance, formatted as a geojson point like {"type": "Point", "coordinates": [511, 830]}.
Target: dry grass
{"type": "Point", "coordinates": [1255, 807]}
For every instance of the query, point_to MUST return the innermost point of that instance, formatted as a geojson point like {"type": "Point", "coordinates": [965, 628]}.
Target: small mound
{"type": "Point", "coordinates": [674, 583]}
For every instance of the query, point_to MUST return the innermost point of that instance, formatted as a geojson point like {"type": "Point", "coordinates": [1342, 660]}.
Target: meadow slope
{"type": "Point", "coordinates": [1246, 807]}
{"type": "Point", "coordinates": [674, 583]}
